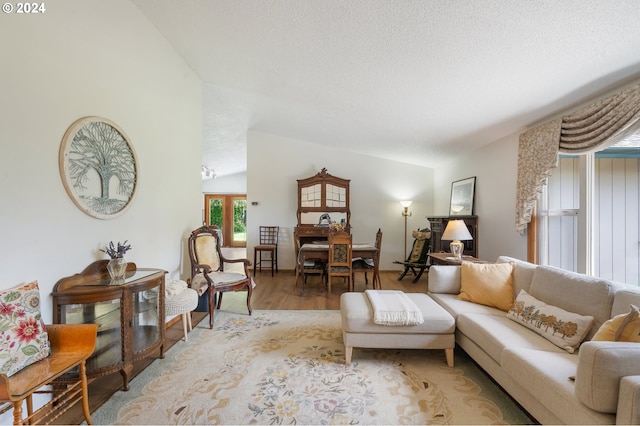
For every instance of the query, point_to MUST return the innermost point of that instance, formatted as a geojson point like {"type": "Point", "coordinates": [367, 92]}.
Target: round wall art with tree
{"type": "Point", "coordinates": [98, 167]}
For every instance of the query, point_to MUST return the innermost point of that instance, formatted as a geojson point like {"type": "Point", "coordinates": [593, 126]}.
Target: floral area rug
{"type": "Point", "coordinates": [287, 367]}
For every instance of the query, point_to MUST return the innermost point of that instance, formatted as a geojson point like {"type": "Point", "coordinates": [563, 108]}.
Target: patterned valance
{"type": "Point", "coordinates": [593, 127]}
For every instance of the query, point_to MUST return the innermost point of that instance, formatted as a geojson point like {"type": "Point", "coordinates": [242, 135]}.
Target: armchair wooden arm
{"type": "Point", "coordinates": [71, 345]}
{"type": "Point", "coordinates": [246, 262]}
{"type": "Point", "coordinates": [201, 268]}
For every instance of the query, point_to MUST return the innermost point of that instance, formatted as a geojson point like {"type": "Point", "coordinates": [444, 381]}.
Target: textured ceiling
{"type": "Point", "coordinates": [415, 81]}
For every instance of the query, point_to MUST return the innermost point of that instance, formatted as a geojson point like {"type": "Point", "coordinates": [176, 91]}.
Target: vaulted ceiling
{"type": "Point", "coordinates": [415, 81]}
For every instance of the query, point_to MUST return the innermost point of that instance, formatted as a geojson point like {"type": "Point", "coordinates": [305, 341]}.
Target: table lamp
{"type": "Point", "coordinates": [455, 231]}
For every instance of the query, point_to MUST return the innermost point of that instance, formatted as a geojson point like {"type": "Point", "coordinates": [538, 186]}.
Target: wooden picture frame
{"type": "Point", "coordinates": [98, 167]}
{"type": "Point", "coordinates": [462, 197]}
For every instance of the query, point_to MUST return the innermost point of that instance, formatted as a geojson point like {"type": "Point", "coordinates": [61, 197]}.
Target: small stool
{"type": "Point", "coordinates": [180, 300]}
{"type": "Point", "coordinates": [358, 329]}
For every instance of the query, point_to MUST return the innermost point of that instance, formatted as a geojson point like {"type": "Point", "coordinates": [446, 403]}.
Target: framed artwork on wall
{"type": "Point", "coordinates": [462, 195]}
{"type": "Point", "coordinates": [99, 167]}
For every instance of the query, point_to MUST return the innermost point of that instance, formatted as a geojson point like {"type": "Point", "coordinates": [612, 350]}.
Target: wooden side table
{"type": "Point", "coordinates": [444, 258]}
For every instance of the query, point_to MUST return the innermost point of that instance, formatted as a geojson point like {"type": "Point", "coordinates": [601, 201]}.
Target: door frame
{"type": "Point", "coordinates": [227, 216]}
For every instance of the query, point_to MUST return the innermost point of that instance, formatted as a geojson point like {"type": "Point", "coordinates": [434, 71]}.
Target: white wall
{"type": "Point", "coordinates": [93, 58]}
{"type": "Point", "coordinates": [230, 184]}
{"type": "Point", "coordinates": [496, 169]}
{"type": "Point", "coordinates": [275, 163]}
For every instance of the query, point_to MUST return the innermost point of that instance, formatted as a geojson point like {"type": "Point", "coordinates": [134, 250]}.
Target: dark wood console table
{"type": "Point", "coordinates": [130, 315]}
{"type": "Point", "coordinates": [439, 223]}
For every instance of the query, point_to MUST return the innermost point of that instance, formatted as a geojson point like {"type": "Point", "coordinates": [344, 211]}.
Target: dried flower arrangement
{"type": "Point", "coordinates": [337, 227]}
{"type": "Point", "coordinates": [116, 252]}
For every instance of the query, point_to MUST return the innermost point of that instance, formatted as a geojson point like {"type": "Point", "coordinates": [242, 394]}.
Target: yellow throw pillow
{"type": "Point", "coordinates": [621, 328]}
{"type": "Point", "coordinates": [488, 284]}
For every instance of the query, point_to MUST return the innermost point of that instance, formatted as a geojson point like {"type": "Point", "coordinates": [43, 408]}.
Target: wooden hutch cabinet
{"type": "Point", "coordinates": [322, 199]}
{"type": "Point", "coordinates": [130, 315]}
{"type": "Point", "coordinates": [439, 223]}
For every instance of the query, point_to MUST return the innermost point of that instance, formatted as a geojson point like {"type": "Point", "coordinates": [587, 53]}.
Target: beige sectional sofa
{"type": "Point", "coordinates": [599, 383]}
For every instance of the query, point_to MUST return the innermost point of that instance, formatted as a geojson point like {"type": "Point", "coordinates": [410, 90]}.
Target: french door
{"type": "Point", "coordinates": [229, 213]}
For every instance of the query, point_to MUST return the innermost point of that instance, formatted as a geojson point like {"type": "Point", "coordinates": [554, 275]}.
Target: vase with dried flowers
{"type": "Point", "coordinates": [336, 227]}
{"type": "Point", "coordinates": [117, 266]}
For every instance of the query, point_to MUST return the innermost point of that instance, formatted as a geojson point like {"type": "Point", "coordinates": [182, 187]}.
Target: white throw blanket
{"type": "Point", "coordinates": [174, 287]}
{"type": "Point", "coordinates": [393, 307]}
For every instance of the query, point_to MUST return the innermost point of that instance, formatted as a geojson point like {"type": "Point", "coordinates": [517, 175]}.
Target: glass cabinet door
{"type": "Point", "coordinates": [146, 319]}
{"type": "Point", "coordinates": [108, 316]}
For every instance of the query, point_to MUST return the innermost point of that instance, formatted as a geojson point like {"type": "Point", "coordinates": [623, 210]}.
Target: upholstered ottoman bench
{"type": "Point", "coordinates": [359, 329]}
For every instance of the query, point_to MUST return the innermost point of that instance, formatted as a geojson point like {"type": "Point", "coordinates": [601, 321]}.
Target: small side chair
{"type": "Point", "coordinates": [268, 244]}
{"type": "Point", "coordinates": [417, 260]}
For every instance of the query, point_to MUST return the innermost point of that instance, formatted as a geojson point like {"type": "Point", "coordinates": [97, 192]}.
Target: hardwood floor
{"type": "Point", "coordinates": [280, 292]}
{"type": "Point", "coordinates": [271, 293]}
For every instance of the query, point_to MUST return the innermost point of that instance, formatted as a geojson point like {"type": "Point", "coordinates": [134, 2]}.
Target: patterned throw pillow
{"type": "Point", "coordinates": [23, 338]}
{"type": "Point", "coordinates": [564, 329]}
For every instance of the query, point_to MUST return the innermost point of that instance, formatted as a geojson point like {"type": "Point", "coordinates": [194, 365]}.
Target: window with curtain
{"type": "Point", "coordinates": [588, 217]}
{"type": "Point", "coordinates": [593, 127]}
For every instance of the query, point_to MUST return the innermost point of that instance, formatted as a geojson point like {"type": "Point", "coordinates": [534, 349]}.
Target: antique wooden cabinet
{"type": "Point", "coordinates": [439, 223]}
{"type": "Point", "coordinates": [322, 199]}
{"type": "Point", "coordinates": [130, 315]}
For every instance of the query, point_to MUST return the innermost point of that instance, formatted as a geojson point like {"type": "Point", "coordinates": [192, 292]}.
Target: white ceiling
{"type": "Point", "coordinates": [415, 81]}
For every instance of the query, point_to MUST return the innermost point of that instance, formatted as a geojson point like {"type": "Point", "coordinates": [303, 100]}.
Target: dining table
{"type": "Point", "coordinates": [320, 251]}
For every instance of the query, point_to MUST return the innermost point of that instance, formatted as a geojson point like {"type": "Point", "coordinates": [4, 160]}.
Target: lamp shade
{"type": "Point", "coordinates": [456, 230]}
{"type": "Point", "coordinates": [406, 203]}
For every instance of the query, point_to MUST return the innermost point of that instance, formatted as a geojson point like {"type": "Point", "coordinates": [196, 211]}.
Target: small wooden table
{"type": "Point", "coordinates": [444, 258]}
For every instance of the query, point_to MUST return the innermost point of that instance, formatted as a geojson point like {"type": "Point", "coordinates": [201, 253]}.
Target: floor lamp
{"type": "Point", "coordinates": [405, 213]}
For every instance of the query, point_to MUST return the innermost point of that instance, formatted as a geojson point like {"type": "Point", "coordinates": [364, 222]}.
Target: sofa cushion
{"type": "Point", "coordinates": [623, 298]}
{"type": "Point", "coordinates": [494, 333]}
{"type": "Point", "coordinates": [455, 306]}
{"type": "Point", "coordinates": [23, 337]}
{"type": "Point", "coordinates": [601, 366]}
{"type": "Point", "coordinates": [522, 273]}
{"type": "Point", "coordinates": [488, 284]}
{"type": "Point", "coordinates": [581, 294]}
{"type": "Point", "coordinates": [444, 279]}
{"type": "Point", "coordinates": [621, 328]}
{"type": "Point", "coordinates": [545, 375]}
{"type": "Point", "coordinates": [562, 328]}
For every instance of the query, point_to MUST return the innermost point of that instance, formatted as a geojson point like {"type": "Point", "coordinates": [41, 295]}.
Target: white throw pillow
{"type": "Point", "coordinates": [564, 329]}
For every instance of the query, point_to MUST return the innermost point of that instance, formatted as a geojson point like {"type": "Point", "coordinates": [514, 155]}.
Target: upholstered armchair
{"type": "Point", "coordinates": [207, 269]}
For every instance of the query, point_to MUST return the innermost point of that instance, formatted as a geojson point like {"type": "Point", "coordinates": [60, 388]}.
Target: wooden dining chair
{"type": "Point", "coordinates": [361, 265]}
{"type": "Point", "coordinates": [309, 267]}
{"type": "Point", "coordinates": [340, 261]}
